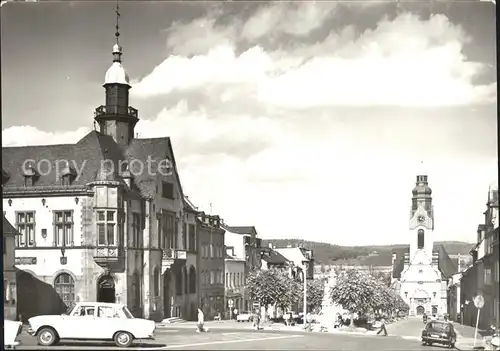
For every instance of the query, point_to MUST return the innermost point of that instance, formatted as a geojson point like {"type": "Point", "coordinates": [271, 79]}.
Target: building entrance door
{"type": "Point", "coordinates": [420, 310]}
{"type": "Point", "coordinates": [106, 289]}
{"type": "Point", "coordinates": [166, 295]}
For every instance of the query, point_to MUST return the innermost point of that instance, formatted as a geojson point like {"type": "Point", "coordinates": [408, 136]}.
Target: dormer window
{"type": "Point", "coordinates": [30, 175]}
{"type": "Point", "coordinates": [68, 174]}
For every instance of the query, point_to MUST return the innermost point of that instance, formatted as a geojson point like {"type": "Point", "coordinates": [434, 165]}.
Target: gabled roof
{"type": "Point", "coordinates": [273, 257]}
{"type": "Point", "coordinates": [8, 229]}
{"type": "Point", "coordinates": [248, 230]}
{"type": "Point", "coordinates": [292, 254]}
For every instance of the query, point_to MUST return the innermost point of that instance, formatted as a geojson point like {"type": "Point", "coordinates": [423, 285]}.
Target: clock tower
{"type": "Point", "coordinates": [421, 217]}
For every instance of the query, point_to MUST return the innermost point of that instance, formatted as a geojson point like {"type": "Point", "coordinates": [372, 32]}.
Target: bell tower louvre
{"type": "Point", "coordinates": [116, 118]}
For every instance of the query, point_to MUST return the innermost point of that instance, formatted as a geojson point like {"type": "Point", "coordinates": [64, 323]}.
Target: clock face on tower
{"type": "Point", "coordinates": [420, 218]}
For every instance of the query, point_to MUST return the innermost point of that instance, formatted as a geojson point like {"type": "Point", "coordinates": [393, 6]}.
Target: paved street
{"type": "Point", "coordinates": [181, 338]}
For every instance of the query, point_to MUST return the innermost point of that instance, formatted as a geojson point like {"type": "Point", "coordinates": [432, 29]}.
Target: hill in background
{"type": "Point", "coordinates": [376, 255]}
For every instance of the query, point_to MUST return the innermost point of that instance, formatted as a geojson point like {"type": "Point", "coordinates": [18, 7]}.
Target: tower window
{"type": "Point", "coordinates": [420, 239]}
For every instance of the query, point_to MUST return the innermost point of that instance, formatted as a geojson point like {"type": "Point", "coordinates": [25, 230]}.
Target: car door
{"type": "Point", "coordinates": [81, 323]}
{"type": "Point", "coordinates": [107, 321]}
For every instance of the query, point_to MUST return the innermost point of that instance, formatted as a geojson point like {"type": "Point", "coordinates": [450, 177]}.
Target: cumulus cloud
{"type": "Point", "coordinates": [403, 62]}
{"type": "Point", "coordinates": [326, 123]}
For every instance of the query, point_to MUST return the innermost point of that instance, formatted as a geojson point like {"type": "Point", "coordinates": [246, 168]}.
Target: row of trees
{"type": "Point", "coordinates": [276, 287]}
{"type": "Point", "coordinates": [362, 293]}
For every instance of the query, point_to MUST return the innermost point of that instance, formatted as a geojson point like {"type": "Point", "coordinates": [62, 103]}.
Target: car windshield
{"type": "Point", "coordinates": [127, 312]}
{"type": "Point", "coordinates": [69, 310]}
{"type": "Point", "coordinates": [438, 326]}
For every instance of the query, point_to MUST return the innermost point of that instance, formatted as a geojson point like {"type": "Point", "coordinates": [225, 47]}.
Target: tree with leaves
{"type": "Point", "coordinates": [315, 294]}
{"type": "Point", "coordinates": [273, 287]}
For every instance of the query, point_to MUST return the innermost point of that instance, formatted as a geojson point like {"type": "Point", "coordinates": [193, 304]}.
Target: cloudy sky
{"type": "Point", "coordinates": [308, 120]}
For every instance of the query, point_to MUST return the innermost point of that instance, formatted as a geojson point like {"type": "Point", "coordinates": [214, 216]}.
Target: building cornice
{"type": "Point", "coordinates": [19, 192]}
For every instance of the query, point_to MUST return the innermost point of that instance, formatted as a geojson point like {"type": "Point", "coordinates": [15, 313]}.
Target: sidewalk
{"type": "Point", "coordinates": [465, 337]}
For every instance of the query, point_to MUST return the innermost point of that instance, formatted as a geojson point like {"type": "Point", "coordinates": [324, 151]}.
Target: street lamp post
{"type": "Point", "coordinates": [304, 270]}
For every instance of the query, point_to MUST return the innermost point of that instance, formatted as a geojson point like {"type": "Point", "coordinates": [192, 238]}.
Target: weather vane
{"type": "Point", "coordinates": [117, 33]}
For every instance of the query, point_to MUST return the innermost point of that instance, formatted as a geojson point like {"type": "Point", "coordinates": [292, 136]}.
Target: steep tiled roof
{"type": "Point", "coordinates": [87, 156]}
{"type": "Point", "coordinates": [8, 229]}
{"type": "Point", "coordinates": [399, 263]}
{"type": "Point", "coordinates": [157, 149]}
{"type": "Point", "coordinates": [272, 257]}
{"type": "Point", "coordinates": [445, 263]}
{"type": "Point", "coordinates": [240, 230]}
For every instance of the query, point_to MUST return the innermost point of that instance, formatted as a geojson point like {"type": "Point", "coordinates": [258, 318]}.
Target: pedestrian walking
{"type": "Point", "coordinates": [308, 320]}
{"type": "Point", "coordinates": [201, 322]}
{"type": "Point", "coordinates": [235, 313]}
{"type": "Point", "coordinates": [286, 317]}
{"type": "Point", "coordinates": [382, 327]}
{"type": "Point", "coordinates": [256, 320]}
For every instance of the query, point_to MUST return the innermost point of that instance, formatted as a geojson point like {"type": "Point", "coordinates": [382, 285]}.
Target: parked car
{"type": "Point", "coordinates": [439, 332]}
{"type": "Point", "coordinates": [11, 331]}
{"type": "Point", "coordinates": [244, 316]}
{"type": "Point", "coordinates": [92, 321]}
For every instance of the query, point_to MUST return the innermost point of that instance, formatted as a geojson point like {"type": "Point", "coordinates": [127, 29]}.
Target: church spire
{"type": "Point", "coordinates": [117, 49]}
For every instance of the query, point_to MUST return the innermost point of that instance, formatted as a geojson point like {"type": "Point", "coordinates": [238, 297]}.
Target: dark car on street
{"type": "Point", "coordinates": [439, 332]}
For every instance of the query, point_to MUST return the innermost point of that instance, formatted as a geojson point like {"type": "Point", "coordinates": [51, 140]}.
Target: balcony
{"type": "Point", "coordinates": [102, 111]}
{"type": "Point", "coordinates": [110, 257]}
{"type": "Point", "coordinates": [171, 256]}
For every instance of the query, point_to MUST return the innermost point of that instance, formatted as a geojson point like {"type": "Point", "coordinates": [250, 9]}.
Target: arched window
{"type": "Point", "coordinates": [178, 283]}
{"type": "Point", "coordinates": [156, 282]}
{"type": "Point", "coordinates": [186, 280]}
{"type": "Point", "coordinates": [65, 287]}
{"type": "Point", "coordinates": [192, 280]}
{"type": "Point", "coordinates": [420, 239]}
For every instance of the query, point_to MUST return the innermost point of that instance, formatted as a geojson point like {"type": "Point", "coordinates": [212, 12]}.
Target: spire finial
{"type": "Point", "coordinates": [117, 50]}
{"type": "Point", "coordinates": [117, 33]}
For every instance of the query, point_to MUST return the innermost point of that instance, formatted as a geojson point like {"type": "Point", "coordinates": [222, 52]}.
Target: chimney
{"type": "Point", "coordinates": [270, 245]}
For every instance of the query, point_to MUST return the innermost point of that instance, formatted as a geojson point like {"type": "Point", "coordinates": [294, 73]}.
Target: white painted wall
{"type": "Point", "coordinates": [44, 215]}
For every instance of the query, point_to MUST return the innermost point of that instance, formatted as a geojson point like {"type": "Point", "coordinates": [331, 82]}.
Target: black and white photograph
{"type": "Point", "coordinates": [250, 175]}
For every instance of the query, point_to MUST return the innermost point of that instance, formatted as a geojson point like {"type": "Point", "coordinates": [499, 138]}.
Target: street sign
{"type": "Point", "coordinates": [230, 302]}
{"type": "Point", "coordinates": [479, 301]}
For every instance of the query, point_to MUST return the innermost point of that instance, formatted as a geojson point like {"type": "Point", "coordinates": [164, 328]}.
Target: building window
{"type": "Point", "coordinates": [487, 276]}
{"type": "Point", "coordinates": [63, 228]}
{"type": "Point", "coordinates": [184, 237]}
{"type": "Point", "coordinates": [227, 274]}
{"type": "Point", "coordinates": [4, 246]}
{"type": "Point", "coordinates": [212, 277]}
{"type": "Point", "coordinates": [161, 241]}
{"type": "Point", "coordinates": [157, 282]}
{"type": "Point", "coordinates": [25, 223]}
{"type": "Point", "coordinates": [192, 280]}
{"type": "Point", "coordinates": [167, 190]}
{"type": "Point", "coordinates": [136, 230]}
{"type": "Point", "coordinates": [178, 283]}
{"type": "Point", "coordinates": [168, 230]}
{"type": "Point", "coordinates": [65, 288]}
{"type": "Point", "coordinates": [211, 253]}
{"type": "Point", "coordinates": [420, 239]}
{"type": "Point", "coordinates": [106, 228]}
{"type": "Point", "coordinates": [192, 238]}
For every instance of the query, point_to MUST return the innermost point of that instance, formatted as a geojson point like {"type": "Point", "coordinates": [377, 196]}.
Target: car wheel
{"type": "Point", "coordinates": [123, 339]}
{"type": "Point", "coordinates": [46, 337]}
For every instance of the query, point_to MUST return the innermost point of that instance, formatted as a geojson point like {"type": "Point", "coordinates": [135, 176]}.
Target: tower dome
{"type": "Point", "coordinates": [116, 74]}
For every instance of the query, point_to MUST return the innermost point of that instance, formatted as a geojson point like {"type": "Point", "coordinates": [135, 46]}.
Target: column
{"type": "Point", "coordinates": [146, 234]}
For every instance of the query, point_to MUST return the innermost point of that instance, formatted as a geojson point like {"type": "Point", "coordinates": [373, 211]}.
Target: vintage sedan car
{"type": "Point", "coordinates": [11, 331]}
{"type": "Point", "coordinates": [244, 317]}
{"type": "Point", "coordinates": [439, 332]}
{"type": "Point", "coordinates": [92, 321]}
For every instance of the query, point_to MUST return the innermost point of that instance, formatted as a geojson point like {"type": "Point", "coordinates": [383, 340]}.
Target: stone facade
{"type": "Point", "coordinates": [102, 219]}
{"type": "Point", "coordinates": [211, 259]}
{"type": "Point", "coordinates": [9, 271]}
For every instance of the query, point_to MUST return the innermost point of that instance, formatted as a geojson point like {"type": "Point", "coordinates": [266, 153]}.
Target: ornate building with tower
{"type": "Point", "coordinates": [102, 219]}
{"type": "Point", "coordinates": [421, 271]}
